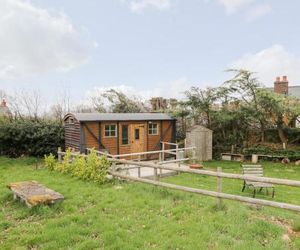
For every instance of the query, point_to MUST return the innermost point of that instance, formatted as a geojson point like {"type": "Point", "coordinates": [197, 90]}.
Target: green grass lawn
{"type": "Point", "coordinates": [140, 216]}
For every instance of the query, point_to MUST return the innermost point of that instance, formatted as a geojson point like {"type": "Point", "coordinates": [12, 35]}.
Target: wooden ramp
{"type": "Point", "coordinates": [33, 193]}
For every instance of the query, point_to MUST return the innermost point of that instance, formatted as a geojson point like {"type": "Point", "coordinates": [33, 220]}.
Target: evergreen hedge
{"type": "Point", "coordinates": [31, 138]}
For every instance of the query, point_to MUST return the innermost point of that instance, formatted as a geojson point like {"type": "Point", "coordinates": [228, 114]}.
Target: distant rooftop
{"type": "Point", "coordinates": [120, 116]}
{"type": "Point", "coordinates": [281, 86]}
{"type": "Point", "coordinates": [4, 110]}
{"type": "Point", "coordinates": [294, 91]}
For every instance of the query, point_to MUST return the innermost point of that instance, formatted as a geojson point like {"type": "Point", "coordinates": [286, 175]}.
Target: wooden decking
{"type": "Point", "coordinates": [149, 173]}
{"type": "Point", "coordinates": [33, 193]}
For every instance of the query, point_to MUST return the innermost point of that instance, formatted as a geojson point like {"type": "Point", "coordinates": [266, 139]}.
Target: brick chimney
{"type": "Point", "coordinates": [3, 103]}
{"type": "Point", "coordinates": [281, 86]}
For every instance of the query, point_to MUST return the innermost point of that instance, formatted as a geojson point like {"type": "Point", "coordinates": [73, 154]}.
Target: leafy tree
{"type": "Point", "coordinates": [117, 102]}
{"type": "Point", "coordinates": [245, 87]}
{"type": "Point", "coordinates": [280, 109]}
{"type": "Point", "coordinates": [181, 112]}
{"type": "Point", "coordinates": [201, 103]}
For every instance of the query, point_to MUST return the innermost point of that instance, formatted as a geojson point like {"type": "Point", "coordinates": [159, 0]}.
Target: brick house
{"type": "Point", "coordinates": [281, 86]}
{"type": "Point", "coordinates": [4, 110]}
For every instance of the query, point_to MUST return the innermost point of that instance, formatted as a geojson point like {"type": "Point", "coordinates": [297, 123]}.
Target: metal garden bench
{"type": "Point", "coordinates": [256, 170]}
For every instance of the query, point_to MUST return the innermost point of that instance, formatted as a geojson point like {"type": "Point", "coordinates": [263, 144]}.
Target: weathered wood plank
{"type": "Point", "coordinates": [33, 193]}
{"type": "Point", "coordinates": [211, 193]}
{"type": "Point", "coordinates": [212, 173]}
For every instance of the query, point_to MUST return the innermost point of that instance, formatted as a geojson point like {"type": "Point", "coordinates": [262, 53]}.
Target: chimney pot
{"type": "Point", "coordinates": [284, 79]}
{"type": "Point", "coordinates": [277, 79]}
{"type": "Point", "coordinates": [3, 104]}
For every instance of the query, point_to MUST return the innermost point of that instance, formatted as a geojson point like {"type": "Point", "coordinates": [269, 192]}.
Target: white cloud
{"type": "Point", "coordinates": [250, 9]}
{"type": "Point", "coordinates": [35, 41]}
{"type": "Point", "coordinates": [170, 89]}
{"type": "Point", "coordinates": [258, 11]}
{"type": "Point", "coordinates": [139, 6]}
{"type": "Point", "coordinates": [232, 6]}
{"type": "Point", "coordinates": [271, 62]}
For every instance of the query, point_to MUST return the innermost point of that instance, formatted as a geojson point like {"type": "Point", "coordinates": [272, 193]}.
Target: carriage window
{"type": "Point", "coordinates": [125, 134]}
{"type": "Point", "coordinates": [110, 130]}
{"type": "Point", "coordinates": [152, 129]}
{"type": "Point", "coordinates": [136, 134]}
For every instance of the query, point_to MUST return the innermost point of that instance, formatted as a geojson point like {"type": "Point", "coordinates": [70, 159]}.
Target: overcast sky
{"type": "Point", "coordinates": [145, 47]}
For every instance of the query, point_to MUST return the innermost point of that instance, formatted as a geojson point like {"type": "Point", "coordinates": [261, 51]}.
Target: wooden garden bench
{"type": "Point", "coordinates": [256, 170]}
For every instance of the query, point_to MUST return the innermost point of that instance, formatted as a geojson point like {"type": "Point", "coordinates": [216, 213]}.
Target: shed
{"type": "Point", "coordinates": [118, 133]}
{"type": "Point", "coordinates": [201, 138]}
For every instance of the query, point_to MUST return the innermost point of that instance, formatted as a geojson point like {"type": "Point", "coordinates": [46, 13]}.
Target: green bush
{"type": "Point", "coordinates": [50, 161]}
{"type": "Point", "coordinates": [92, 167]}
{"type": "Point", "coordinates": [293, 155]}
{"type": "Point", "coordinates": [32, 138]}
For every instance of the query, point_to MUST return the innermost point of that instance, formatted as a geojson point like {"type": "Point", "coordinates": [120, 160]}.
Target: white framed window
{"type": "Point", "coordinates": [153, 129]}
{"type": "Point", "coordinates": [110, 130]}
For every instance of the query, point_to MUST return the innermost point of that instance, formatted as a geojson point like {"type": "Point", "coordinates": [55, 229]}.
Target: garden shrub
{"type": "Point", "coordinates": [32, 138]}
{"type": "Point", "coordinates": [79, 166]}
{"type": "Point", "coordinates": [50, 161]}
{"type": "Point", "coordinates": [92, 167]}
{"type": "Point", "coordinates": [293, 155]}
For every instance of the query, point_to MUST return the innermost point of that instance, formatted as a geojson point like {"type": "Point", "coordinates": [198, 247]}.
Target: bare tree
{"type": "Point", "coordinates": [26, 103]}
{"type": "Point", "coordinates": [62, 106]}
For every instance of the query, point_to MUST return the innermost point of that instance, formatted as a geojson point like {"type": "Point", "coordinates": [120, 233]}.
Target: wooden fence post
{"type": "Point", "coordinates": [219, 187]}
{"type": "Point", "coordinates": [155, 174]}
{"type": "Point", "coordinates": [194, 156]}
{"type": "Point", "coordinates": [163, 151]}
{"type": "Point", "coordinates": [59, 155]}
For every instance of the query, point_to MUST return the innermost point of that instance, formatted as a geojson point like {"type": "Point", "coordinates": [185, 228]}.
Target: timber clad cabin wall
{"type": "Point", "coordinates": [72, 134]}
{"type": "Point", "coordinates": [86, 134]}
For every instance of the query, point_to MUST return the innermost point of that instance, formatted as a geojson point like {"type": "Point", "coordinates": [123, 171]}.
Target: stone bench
{"type": "Point", "coordinates": [32, 193]}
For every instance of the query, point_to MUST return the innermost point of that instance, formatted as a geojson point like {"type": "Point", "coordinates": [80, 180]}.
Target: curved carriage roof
{"type": "Point", "coordinates": [119, 116]}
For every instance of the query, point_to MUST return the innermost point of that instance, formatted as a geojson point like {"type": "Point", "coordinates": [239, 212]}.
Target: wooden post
{"type": "Point", "coordinates": [59, 155]}
{"type": "Point", "coordinates": [139, 172]}
{"type": "Point", "coordinates": [254, 158]}
{"type": "Point", "coordinates": [160, 156]}
{"type": "Point", "coordinates": [219, 187]}
{"type": "Point", "coordinates": [177, 152]}
{"type": "Point", "coordinates": [155, 174]}
{"type": "Point", "coordinates": [163, 151]}
{"type": "Point", "coordinates": [194, 156]}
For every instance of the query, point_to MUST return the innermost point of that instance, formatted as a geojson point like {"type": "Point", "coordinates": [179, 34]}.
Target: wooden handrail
{"type": "Point", "coordinates": [169, 143]}
{"type": "Point", "coordinates": [213, 173]}
{"type": "Point", "coordinates": [153, 152]}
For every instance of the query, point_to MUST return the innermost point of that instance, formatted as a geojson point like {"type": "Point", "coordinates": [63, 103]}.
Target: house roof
{"type": "Point", "coordinates": [198, 128]}
{"type": "Point", "coordinates": [4, 111]}
{"type": "Point", "coordinates": [294, 91]}
{"type": "Point", "coordinates": [120, 116]}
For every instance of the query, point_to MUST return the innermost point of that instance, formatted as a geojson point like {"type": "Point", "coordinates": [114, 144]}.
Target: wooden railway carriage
{"type": "Point", "coordinates": [118, 133]}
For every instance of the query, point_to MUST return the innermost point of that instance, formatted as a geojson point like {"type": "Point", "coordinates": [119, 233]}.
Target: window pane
{"type": "Point", "coordinates": [124, 134]}
{"type": "Point", "coordinates": [137, 134]}
{"type": "Point", "coordinates": [152, 129]}
{"type": "Point", "coordinates": [110, 130]}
